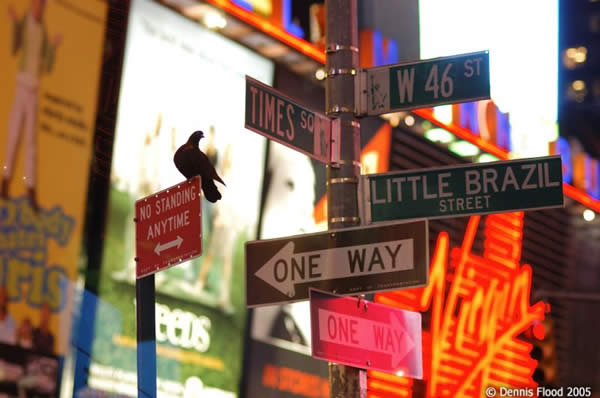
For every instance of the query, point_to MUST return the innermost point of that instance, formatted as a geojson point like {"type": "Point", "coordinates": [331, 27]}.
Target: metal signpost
{"type": "Point", "coordinates": [366, 335]}
{"type": "Point", "coordinates": [424, 83]}
{"type": "Point", "coordinates": [348, 261]}
{"type": "Point", "coordinates": [168, 227]}
{"type": "Point", "coordinates": [482, 188]}
{"type": "Point", "coordinates": [341, 46]}
{"type": "Point", "coordinates": [168, 231]}
{"type": "Point", "coordinates": [276, 116]}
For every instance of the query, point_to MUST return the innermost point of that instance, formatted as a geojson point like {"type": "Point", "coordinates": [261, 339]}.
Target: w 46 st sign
{"type": "Point", "coordinates": [438, 81]}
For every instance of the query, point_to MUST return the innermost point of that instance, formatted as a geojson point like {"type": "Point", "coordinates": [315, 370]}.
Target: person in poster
{"type": "Point", "coordinates": [50, 92]}
{"type": "Point", "coordinates": [36, 54]}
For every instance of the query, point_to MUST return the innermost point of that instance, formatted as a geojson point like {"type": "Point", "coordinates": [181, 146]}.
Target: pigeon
{"type": "Point", "coordinates": [190, 161]}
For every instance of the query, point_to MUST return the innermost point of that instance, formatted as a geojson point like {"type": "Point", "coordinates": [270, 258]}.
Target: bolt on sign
{"type": "Point", "coordinates": [365, 335]}
{"type": "Point", "coordinates": [168, 227]}
{"type": "Point", "coordinates": [446, 80]}
{"type": "Point", "coordinates": [482, 188]}
{"type": "Point", "coordinates": [346, 261]}
{"type": "Point", "coordinates": [277, 117]}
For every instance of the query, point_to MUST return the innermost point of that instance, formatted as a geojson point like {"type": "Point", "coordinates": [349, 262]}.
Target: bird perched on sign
{"type": "Point", "coordinates": [190, 161]}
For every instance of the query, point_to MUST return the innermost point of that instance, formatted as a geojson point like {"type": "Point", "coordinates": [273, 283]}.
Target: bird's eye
{"type": "Point", "coordinates": [290, 184]}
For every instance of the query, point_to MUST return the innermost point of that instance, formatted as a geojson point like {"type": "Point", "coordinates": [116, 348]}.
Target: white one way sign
{"type": "Point", "coordinates": [347, 261]}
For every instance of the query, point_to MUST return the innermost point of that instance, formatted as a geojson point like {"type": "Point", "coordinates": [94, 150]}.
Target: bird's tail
{"type": "Point", "coordinates": [219, 179]}
{"type": "Point", "coordinates": [211, 193]}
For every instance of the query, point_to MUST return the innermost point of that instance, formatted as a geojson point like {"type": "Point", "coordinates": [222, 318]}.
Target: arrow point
{"type": "Point", "coordinates": [267, 271]}
{"type": "Point", "coordinates": [406, 342]}
{"type": "Point", "coordinates": [157, 249]}
{"type": "Point", "coordinates": [179, 241]}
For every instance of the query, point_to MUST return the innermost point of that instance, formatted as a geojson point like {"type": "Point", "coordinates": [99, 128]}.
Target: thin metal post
{"type": "Point", "coordinates": [146, 336]}
{"type": "Point", "coordinates": [342, 182]}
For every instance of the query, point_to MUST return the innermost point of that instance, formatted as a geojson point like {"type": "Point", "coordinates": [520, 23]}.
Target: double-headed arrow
{"type": "Point", "coordinates": [286, 268]}
{"type": "Point", "coordinates": [175, 242]}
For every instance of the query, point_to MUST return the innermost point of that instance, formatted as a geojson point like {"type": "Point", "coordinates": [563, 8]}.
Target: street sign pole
{"type": "Point", "coordinates": [342, 182]}
{"type": "Point", "coordinates": [146, 336]}
{"type": "Point", "coordinates": [168, 230]}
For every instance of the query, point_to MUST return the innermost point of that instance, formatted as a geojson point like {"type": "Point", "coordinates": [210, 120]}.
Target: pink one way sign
{"type": "Point", "coordinates": [365, 335]}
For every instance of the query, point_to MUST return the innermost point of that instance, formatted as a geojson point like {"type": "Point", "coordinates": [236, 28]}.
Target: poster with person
{"type": "Point", "coordinates": [51, 55]}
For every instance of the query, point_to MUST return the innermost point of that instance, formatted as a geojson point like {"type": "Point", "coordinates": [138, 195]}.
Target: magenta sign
{"type": "Point", "coordinates": [365, 335]}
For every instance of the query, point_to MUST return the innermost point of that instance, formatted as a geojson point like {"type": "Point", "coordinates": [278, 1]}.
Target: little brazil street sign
{"type": "Point", "coordinates": [481, 188]}
{"type": "Point", "coordinates": [345, 261]}
{"type": "Point", "coordinates": [275, 116]}
{"type": "Point", "coordinates": [365, 335]}
{"type": "Point", "coordinates": [438, 81]}
{"type": "Point", "coordinates": [168, 227]}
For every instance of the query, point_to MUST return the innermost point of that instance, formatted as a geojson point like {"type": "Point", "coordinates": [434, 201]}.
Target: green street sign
{"type": "Point", "coordinates": [482, 188]}
{"type": "Point", "coordinates": [277, 117]}
{"type": "Point", "coordinates": [424, 83]}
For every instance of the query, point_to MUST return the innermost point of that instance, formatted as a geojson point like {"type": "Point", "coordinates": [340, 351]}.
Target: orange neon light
{"type": "Point", "coordinates": [467, 135]}
{"type": "Point", "coordinates": [271, 29]}
{"type": "Point", "coordinates": [539, 332]}
{"type": "Point", "coordinates": [472, 342]}
{"type": "Point", "coordinates": [581, 197]}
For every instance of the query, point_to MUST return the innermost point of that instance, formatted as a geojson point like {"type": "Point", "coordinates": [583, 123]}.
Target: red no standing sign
{"type": "Point", "coordinates": [168, 227]}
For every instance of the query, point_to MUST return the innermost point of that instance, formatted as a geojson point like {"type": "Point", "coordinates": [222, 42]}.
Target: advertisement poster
{"type": "Point", "coordinates": [280, 365]}
{"type": "Point", "coordinates": [51, 53]}
{"type": "Point", "coordinates": [179, 77]}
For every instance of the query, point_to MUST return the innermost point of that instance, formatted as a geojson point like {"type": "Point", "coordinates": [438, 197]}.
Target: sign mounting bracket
{"type": "Point", "coordinates": [336, 130]}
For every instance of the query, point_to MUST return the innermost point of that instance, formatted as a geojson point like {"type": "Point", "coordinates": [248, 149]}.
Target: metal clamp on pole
{"type": "Point", "coordinates": [343, 180]}
{"type": "Point", "coordinates": [354, 163]}
{"type": "Point", "coordinates": [334, 220]}
{"type": "Point", "coordinates": [341, 71]}
{"type": "Point", "coordinates": [335, 47]}
{"type": "Point", "coordinates": [338, 109]}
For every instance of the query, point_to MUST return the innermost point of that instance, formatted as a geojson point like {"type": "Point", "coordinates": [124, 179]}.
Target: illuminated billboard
{"type": "Point", "coordinates": [522, 37]}
{"type": "Point", "coordinates": [51, 56]}
{"type": "Point", "coordinates": [177, 78]}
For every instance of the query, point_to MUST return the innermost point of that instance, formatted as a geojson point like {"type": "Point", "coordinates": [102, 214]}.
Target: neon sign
{"type": "Point", "coordinates": [472, 342]}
